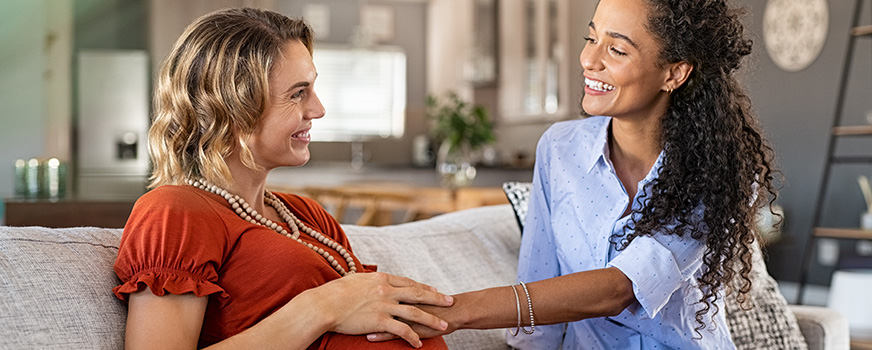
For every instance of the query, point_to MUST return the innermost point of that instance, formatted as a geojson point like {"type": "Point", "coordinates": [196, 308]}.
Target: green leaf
{"type": "Point", "coordinates": [458, 121]}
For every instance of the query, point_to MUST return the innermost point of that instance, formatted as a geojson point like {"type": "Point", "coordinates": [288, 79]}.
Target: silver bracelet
{"type": "Point", "coordinates": [529, 306]}
{"type": "Point", "coordinates": [518, 304]}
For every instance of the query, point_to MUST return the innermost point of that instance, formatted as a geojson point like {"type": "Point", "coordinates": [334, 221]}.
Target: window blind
{"type": "Point", "coordinates": [363, 92]}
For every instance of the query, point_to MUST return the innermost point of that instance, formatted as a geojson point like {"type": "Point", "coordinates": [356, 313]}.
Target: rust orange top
{"type": "Point", "coordinates": [180, 239]}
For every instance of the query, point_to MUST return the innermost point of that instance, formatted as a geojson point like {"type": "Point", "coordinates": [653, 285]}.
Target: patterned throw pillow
{"type": "Point", "coordinates": [769, 323]}
{"type": "Point", "coordinates": [518, 194]}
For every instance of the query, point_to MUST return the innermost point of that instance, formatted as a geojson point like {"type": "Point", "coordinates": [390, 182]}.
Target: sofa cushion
{"type": "Point", "coordinates": [455, 252]}
{"type": "Point", "coordinates": [51, 299]}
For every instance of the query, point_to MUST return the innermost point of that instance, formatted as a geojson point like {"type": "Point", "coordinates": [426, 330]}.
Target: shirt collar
{"type": "Point", "coordinates": [601, 142]}
{"type": "Point", "coordinates": [601, 130]}
{"type": "Point", "coordinates": [655, 170]}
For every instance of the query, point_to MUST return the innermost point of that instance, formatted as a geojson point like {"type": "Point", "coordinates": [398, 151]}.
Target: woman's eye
{"type": "Point", "coordinates": [590, 40]}
{"type": "Point", "coordinates": [298, 94]}
{"type": "Point", "coordinates": [618, 52]}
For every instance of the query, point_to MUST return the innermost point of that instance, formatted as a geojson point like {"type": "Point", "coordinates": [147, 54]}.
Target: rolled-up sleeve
{"type": "Point", "coordinates": [658, 266]}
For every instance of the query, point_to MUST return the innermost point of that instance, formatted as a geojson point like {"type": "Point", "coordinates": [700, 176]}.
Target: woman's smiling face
{"type": "Point", "coordinates": [281, 137]}
{"type": "Point", "coordinates": [622, 72]}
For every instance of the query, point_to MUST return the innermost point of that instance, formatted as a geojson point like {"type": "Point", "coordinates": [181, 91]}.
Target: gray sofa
{"type": "Point", "coordinates": [55, 284]}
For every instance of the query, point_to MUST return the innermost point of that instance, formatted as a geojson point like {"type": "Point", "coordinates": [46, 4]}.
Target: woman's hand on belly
{"type": "Point", "coordinates": [375, 302]}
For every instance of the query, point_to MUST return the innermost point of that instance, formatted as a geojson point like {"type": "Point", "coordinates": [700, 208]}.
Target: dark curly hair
{"type": "Point", "coordinates": [718, 170]}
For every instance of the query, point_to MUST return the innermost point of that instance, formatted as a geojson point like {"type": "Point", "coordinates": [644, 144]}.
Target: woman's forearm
{"type": "Point", "coordinates": [581, 295]}
{"type": "Point", "coordinates": [596, 293]}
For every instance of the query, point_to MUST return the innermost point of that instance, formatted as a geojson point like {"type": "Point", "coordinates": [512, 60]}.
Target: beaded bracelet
{"type": "Point", "coordinates": [518, 304]}
{"type": "Point", "coordinates": [529, 306]}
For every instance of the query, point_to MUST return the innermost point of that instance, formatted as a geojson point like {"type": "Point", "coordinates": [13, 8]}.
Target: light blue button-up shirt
{"type": "Point", "coordinates": [575, 206]}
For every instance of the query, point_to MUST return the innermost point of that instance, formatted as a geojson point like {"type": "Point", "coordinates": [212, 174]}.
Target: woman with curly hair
{"type": "Point", "coordinates": [642, 214]}
{"type": "Point", "coordinates": [209, 257]}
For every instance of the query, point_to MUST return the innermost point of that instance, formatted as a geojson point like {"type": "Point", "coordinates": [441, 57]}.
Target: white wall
{"type": "Point", "coordinates": [34, 83]}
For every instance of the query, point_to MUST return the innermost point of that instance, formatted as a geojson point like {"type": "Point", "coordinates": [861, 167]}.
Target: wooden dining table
{"type": "Point", "coordinates": [381, 203]}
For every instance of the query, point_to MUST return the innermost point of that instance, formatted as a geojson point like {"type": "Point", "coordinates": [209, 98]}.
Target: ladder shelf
{"type": "Point", "coordinates": [837, 131]}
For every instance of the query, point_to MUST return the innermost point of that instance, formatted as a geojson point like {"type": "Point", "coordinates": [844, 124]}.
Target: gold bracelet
{"type": "Point", "coordinates": [518, 304]}
{"type": "Point", "coordinates": [529, 306]}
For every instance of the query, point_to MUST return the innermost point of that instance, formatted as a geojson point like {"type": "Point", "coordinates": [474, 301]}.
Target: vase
{"type": "Point", "coordinates": [454, 166]}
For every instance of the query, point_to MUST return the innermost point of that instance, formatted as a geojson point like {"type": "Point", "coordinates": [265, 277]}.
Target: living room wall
{"type": "Point", "coordinates": [22, 117]}
{"type": "Point", "coordinates": [797, 109]}
{"type": "Point", "coordinates": [34, 91]}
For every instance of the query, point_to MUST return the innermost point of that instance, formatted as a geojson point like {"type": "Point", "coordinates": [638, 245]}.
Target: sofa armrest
{"type": "Point", "coordinates": [822, 328]}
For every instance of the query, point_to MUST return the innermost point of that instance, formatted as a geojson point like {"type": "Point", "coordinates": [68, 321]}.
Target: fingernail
{"type": "Point", "coordinates": [370, 337]}
{"type": "Point", "coordinates": [449, 298]}
{"type": "Point", "coordinates": [444, 325]}
{"type": "Point", "coordinates": [419, 344]}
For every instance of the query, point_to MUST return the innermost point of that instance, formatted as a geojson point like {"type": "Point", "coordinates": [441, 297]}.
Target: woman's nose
{"type": "Point", "coordinates": [316, 109]}
{"type": "Point", "coordinates": [589, 58]}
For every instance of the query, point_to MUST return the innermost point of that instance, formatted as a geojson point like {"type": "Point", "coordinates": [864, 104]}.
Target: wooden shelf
{"type": "Point", "coordinates": [857, 130]}
{"type": "Point", "coordinates": [68, 212]}
{"type": "Point", "coordinates": [856, 31]}
{"type": "Point", "coordinates": [842, 232]}
{"type": "Point", "coordinates": [862, 31]}
{"type": "Point", "coordinates": [852, 159]}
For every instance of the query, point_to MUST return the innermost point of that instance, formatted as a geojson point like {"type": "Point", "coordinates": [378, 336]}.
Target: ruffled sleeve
{"type": "Point", "coordinates": [174, 242]}
{"type": "Point", "coordinates": [162, 281]}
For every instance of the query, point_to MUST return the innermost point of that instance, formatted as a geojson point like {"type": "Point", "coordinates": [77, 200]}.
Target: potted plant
{"type": "Point", "coordinates": [461, 129]}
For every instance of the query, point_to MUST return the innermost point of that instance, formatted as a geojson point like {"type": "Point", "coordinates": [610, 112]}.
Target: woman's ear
{"type": "Point", "coordinates": [677, 74]}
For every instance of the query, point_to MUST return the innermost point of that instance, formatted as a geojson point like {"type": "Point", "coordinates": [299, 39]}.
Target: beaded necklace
{"type": "Point", "coordinates": [247, 213]}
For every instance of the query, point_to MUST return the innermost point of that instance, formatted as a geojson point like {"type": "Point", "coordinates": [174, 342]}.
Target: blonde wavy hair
{"type": "Point", "coordinates": [212, 91]}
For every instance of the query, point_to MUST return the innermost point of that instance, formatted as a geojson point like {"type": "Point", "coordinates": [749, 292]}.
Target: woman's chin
{"type": "Point", "coordinates": [299, 159]}
{"type": "Point", "coordinates": [590, 107]}
{"type": "Point", "coordinates": [301, 162]}
{"type": "Point", "coordinates": [593, 111]}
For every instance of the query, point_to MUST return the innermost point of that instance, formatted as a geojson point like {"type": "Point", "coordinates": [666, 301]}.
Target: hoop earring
{"type": "Point", "coordinates": [669, 91]}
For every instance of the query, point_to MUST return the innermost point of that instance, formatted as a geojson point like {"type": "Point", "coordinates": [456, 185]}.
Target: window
{"type": "Point", "coordinates": [363, 92]}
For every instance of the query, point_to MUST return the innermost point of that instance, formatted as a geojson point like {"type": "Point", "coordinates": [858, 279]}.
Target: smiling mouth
{"type": "Point", "coordinates": [302, 134]}
{"type": "Point", "coordinates": [598, 85]}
